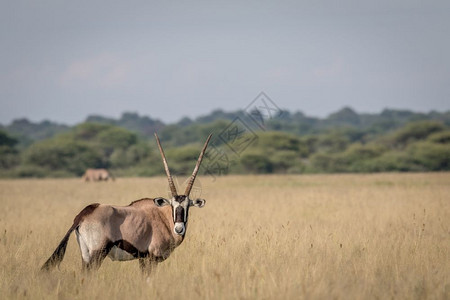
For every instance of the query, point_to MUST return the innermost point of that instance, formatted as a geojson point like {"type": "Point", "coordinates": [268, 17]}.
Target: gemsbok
{"type": "Point", "coordinates": [147, 229]}
{"type": "Point", "coordinates": [97, 175]}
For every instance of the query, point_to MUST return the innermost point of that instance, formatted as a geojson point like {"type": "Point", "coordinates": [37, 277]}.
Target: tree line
{"type": "Point", "coordinates": [292, 143]}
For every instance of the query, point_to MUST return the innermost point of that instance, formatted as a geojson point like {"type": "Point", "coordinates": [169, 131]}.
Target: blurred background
{"type": "Point", "coordinates": [349, 86]}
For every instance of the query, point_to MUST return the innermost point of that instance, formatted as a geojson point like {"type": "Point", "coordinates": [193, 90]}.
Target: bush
{"type": "Point", "coordinates": [88, 131]}
{"type": "Point", "coordinates": [115, 138]}
{"type": "Point", "coordinates": [135, 154]}
{"type": "Point", "coordinates": [9, 157]}
{"type": "Point", "coordinates": [7, 140]}
{"type": "Point", "coordinates": [442, 137]}
{"type": "Point", "coordinates": [415, 131]}
{"type": "Point", "coordinates": [356, 157]}
{"type": "Point", "coordinates": [74, 157]}
{"type": "Point", "coordinates": [332, 143]}
{"type": "Point", "coordinates": [431, 157]}
{"type": "Point", "coordinates": [392, 161]}
{"type": "Point", "coordinates": [256, 163]}
{"type": "Point", "coordinates": [30, 171]}
{"type": "Point", "coordinates": [182, 160]}
{"type": "Point", "coordinates": [286, 162]}
{"type": "Point", "coordinates": [277, 141]}
{"type": "Point", "coordinates": [104, 137]}
{"type": "Point", "coordinates": [359, 152]}
{"type": "Point", "coordinates": [323, 163]}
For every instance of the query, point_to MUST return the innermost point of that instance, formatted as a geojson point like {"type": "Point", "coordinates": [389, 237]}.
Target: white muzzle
{"type": "Point", "coordinates": [179, 228]}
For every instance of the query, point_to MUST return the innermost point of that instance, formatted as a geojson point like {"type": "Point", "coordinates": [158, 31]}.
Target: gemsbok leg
{"type": "Point", "coordinates": [147, 265]}
{"type": "Point", "coordinates": [91, 259]}
{"type": "Point", "coordinates": [97, 257]}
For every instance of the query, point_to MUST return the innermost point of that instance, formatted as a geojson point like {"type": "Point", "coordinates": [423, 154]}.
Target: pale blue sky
{"type": "Point", "coordinates": [64, 60]}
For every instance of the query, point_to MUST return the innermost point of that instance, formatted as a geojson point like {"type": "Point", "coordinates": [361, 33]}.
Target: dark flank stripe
{"type": "Point", "coordinates": [128, 247]}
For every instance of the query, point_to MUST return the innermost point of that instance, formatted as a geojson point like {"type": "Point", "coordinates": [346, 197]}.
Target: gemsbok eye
{"type": "Point", "coordinates": [122, 232]}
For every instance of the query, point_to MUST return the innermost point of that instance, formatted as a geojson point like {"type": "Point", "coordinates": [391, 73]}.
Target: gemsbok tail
{"type": "Point", "coordinates": [59, 252]}
{"type": "Point", "coordinates": [58, 255]}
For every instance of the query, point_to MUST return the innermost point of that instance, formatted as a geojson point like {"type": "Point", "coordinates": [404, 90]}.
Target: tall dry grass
{"type": "Point", "coordinates": [258, 237]}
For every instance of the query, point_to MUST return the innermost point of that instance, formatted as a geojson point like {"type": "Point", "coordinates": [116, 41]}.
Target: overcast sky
{"type": "Point", "coordinates": [63, 60]}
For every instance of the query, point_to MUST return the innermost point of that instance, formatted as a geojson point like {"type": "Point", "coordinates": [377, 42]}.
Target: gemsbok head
{"type": "Point", "coordinates": [148, 229]}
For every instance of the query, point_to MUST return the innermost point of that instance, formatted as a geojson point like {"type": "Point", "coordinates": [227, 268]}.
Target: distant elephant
{"type": "Point", "coordinates": [97, 175]}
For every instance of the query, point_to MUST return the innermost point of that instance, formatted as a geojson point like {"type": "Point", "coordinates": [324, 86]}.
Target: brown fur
{"type": "Point", "coordinates": [97, 175]}
{"type": "Point", "coordinates": [152, 238]}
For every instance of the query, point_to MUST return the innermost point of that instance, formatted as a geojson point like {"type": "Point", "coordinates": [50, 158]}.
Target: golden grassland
{"type": "Point", "coordinates": [258, 237]}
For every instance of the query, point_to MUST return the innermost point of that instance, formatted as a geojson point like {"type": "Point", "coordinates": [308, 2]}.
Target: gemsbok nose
{"type": "Point", "coordinates": [179, 228]}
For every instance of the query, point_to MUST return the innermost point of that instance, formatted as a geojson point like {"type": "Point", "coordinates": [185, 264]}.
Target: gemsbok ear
{"type": "Point", "coordinates": [161, 202]}
{"type": "Point", "coordinates": [198, 202]}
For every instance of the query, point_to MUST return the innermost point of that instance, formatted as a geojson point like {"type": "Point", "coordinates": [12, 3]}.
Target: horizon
{"type": "Point", "coordinates": [217, 109]}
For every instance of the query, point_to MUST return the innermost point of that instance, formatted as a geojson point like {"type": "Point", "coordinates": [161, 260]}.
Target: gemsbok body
{"type": "Point", "coordinates": [148, 229]}
{"type": "Point", "coordinates": [97, 175]}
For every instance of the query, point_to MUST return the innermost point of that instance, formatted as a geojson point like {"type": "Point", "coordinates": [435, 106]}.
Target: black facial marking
{"type": "Point", "coordinates": [179, 214]}
{"type": "Point", "coordinates": [180, 198]}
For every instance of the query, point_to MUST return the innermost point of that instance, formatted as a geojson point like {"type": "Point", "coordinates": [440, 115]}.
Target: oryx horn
{"type": "Point", "coordinates": [197, 167]}
{"type": "Point", "coordinates": [166, 167]}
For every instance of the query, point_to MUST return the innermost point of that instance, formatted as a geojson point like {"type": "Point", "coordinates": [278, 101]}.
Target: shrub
{"type": "Point", "coordinates": [253, 162]}
{"type": "Point", "coordinates": [392, 161]}
{"type": "Point", "coordinates": [432, 157]}
{"type": "Point", "coordinates": [7, 140]}
{"type": "Point", "coordinates": [285, 161]}
{"type": "Point", "coordinates": [74, 157]}
{"type": "Point", "coordinates": [442, 137]}
{"type": "Point", "coordinates": [324, 162]}
{"type": "Point", "coordinates": [415, 131]}
{"type": "Point", "coordinates": [9, 157]}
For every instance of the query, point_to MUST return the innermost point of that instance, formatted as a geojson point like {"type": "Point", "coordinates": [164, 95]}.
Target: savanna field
{"type": "Point", "coordinates": [379, 236]}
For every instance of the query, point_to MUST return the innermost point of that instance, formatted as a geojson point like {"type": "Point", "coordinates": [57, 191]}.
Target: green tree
{"type": "Point", "coordinates": [332, 143]}
{"type": "Point", "coordinates": [391, 161]}
{"type": "Point", "coordinates": [286, 161]}
{"type": "Point", "coordinates": [430, 156]}
{"type": "Point", "coordinates": [327, 163]}
{"type": "Point", "coordinates": [182, 159]}
{"type": "Point", "coordinates": [357, 156]}
{"type": "Point", "coordinates": [113, 138]}
{"type": "Point", "coordinates": [71, 156]}
{"type": "Point", "coordinates": [276, 141]}
{"type": "Point", "coordinates": [415, 131]}
{"type": "Point", "coordinates": [442, 137]}
{"type": "Point", "coordinates": [256, 163]}
{"type": "Point", "coordinates": [88, 131]}
{"type": "Point", "coordinates": [7, 140]}
{"type": "Point", "coordinates": [9, 156]}
{"type": "Point", "coordinates": [133, 155]}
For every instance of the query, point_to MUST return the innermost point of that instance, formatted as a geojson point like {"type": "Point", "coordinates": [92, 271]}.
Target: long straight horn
{"type": "Point", "coordinates": [166, 167]}
{"type": "Point", "coordinates": [197, 167]}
